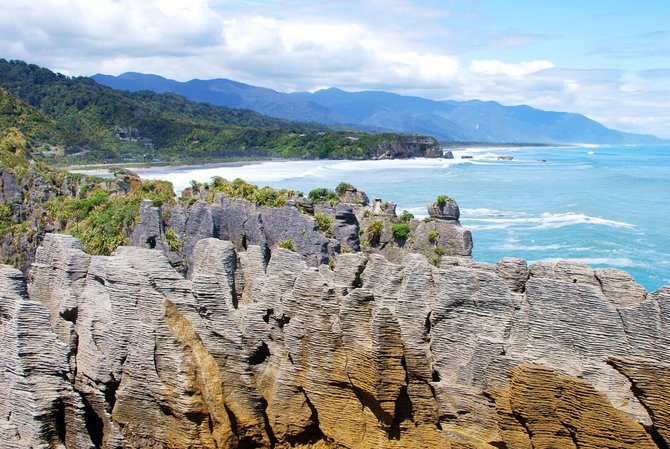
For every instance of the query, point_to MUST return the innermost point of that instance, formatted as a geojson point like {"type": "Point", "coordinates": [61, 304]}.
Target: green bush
{"type": "Point", "coordinates": [367, 213]}
{"type": "Point", "coordinates": [343, 187]}
{"type": "Point", "coordinates": [442, 200]}
{"type": "Point", "coordinates": [323, 195]}
{"type": "Point", "coordinates": [433, 236]}
{"type": "Point", "coordinates": [174, 243]}
{"type": "Point", "coordinates": [324, 222]}
{"type": "Point", "coordinates": [104, 222]}
{"type": "Point", "coordinates": [374, 230]}
{"type": "Point", "coordinates": [400, 230]}
{"type": "Point", "coordinates": [406, 216]}
{"type": "Point", "coordinates": [286, 244]}
{"type": "Point", "coordinates": [439, 251]}
{"type": "Point", "coordinates": [239, 188]}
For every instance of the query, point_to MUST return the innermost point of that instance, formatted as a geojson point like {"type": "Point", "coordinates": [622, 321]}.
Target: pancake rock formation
{"type": "Point", "coordinates": [251, 351]}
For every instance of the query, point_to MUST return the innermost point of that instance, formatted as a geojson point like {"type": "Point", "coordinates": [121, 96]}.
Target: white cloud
{"type": "Point", "coordinates": [493, 67]}
{"type": "Point", "coordinates": [104, 27]}
{"type": "Point", "coordinates": [397, 45]}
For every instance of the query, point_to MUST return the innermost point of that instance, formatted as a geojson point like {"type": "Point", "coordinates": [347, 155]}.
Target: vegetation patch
{"type": "Point", "coordinates": [175, 244]}
{"type": "Point", "coordinates": [323, 195]}
{"type": "Point", "coordinates": [107, 221]}
{"type": "Point", "coordinates": [406, 216]}
{"type": "Point", "coordinates": [442, 200]}
{"type": "Point", "coordinates": [374, 231]}
{"type": "Point", "coordinates": [400, 230]}
{"type": "Point", "coordinates": [76, 120]}
{"type": "Point", "coordinates": [342, 188]}
{"type": "Point", "coordinates": [238, 188]}
{"type": "Point", "coordinates": [286, 244]}
{"type": "Point", "coordinates": [324, 222]}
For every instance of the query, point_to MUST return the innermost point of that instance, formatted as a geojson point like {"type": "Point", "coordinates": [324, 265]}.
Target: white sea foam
{"type": "Point", "coordinates": [259, 173]}
{"type": "Point", "coordinates": [277, 171]}
{"type": "Point", "coordinates": [612, 261]}
{"type": "Point", "coordinates": [545, 221]}
{"type": "Point", "coordinates": [419, 212]}
{"type": "Point", "coordinates": [482, 211]}
{"type": "Point", "coordinates": [348, 165]}
{"type": "Point", "coordinates": [517, 247]}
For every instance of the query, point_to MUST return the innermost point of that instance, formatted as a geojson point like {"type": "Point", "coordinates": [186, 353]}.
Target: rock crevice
{"type": "Point", "coordinates": [365, 353]}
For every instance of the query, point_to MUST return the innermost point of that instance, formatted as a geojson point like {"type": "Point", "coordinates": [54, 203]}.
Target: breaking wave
{"type": "Point", "coordinates": [544, 221]}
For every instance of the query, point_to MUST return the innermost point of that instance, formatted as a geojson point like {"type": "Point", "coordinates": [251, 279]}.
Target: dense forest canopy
{"type": "Point", "coordinates": [74, 120]}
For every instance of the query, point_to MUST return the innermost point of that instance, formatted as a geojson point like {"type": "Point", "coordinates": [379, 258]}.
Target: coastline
{"type": "Point", "coordinates": [238, 162]}
{"type": "Point", "coordinates": [104, 170]}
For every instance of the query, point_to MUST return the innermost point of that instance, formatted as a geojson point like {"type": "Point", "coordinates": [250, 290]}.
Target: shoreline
{"type": "Point", "coordinates": [182, 165]}
{"type": "Point", "coordinates": [104, 169]}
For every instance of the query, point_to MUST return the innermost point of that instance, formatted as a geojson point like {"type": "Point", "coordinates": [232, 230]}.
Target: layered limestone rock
{"type": "Point", "coordinates": [175, 230]}
{"type": "Point", "coordinates": [262, 350]}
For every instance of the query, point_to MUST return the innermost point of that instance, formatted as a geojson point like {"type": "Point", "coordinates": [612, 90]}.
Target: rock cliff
{"type": "Point", "coordinates": [262, 350]}
{"type": "Point", "coordinates": [176, 229]}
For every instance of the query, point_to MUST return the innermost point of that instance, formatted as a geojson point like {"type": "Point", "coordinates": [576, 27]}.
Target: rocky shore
{"type": "Point", "coordinates": [239, 317]}
{"type": "Point", "coordinates": [122, 351]}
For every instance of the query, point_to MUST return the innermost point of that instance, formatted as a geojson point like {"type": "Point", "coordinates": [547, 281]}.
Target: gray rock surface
{"type": "Point", "coordinates": [9, 187]}
{"type": "Point", "coordinates": [39, 407]}
{"type": "Point", "coordinates": [447, 211]}
{"type": "Point", "coordinates": [354, 196]}
{"type": "Point", "coordinates": [346, 227]}
{"type": "Point", "coordinates": [124, 352]}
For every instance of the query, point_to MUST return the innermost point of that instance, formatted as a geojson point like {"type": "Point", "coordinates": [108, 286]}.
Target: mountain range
{"type": "Point", "coordinates": [448, 121]}
{"type": "Point", "coordinates": [66, 120]}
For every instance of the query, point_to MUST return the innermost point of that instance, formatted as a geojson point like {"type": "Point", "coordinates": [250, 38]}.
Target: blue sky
{"type": "Point", "coordinates": [609, 60]}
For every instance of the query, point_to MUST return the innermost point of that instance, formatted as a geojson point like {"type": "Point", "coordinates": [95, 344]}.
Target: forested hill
{"type": "Point", "coordinates": [448, 120]}
{"type": "Point", "coordinates": [70, 120]}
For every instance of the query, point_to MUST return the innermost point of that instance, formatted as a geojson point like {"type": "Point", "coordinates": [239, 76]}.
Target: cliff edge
{"type": "Point", "coordinates": [121, 351]}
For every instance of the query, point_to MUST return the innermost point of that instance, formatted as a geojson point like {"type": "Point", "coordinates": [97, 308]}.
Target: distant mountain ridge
{"type": "Point", "coordinates": [448, 121]}
{"type": "Point", "coordinates": [65, 120]}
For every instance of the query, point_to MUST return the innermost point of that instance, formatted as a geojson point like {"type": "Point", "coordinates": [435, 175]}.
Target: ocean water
{"type": "Point", "coordinates": [603, 206]}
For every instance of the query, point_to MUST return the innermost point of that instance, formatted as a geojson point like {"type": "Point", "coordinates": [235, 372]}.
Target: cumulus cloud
{"type": "Point", "coordinates": [493, 67]}
{"type": "Point", "coordinates": [411, 47]}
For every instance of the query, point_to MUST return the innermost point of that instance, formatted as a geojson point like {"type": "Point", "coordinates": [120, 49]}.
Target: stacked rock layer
{"type": "Point", "coordinates": [124, 352]}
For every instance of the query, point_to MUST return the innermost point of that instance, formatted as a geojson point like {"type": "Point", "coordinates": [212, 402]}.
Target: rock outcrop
{"type": "Point", "coordinates": [175, 230]}
{"type": "Point", "coordinates": [402, 147]}
{"type": "Point", "coordinates": [24, 191]}
{"type": "Point", "coordinates": [262, 350]}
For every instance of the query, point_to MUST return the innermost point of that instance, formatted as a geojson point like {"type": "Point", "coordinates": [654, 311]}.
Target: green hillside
{"type": "Point", "coordinates": [75, 120]}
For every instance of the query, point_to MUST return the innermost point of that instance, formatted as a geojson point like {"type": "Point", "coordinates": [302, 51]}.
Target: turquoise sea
{"type": "Point", "coordinates": [603, 206]}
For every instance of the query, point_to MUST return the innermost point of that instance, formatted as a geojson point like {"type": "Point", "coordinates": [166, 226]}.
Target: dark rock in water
{"type": "Point", "coordinates": [448, 154]}
{"type": "Point", "coordinates": [449, 210]}
{"type": "Point", "coordinates": [505, 158]}
{"type": "Point", "coordinates": [466, 157]}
